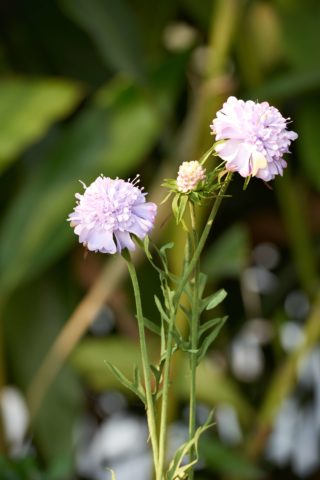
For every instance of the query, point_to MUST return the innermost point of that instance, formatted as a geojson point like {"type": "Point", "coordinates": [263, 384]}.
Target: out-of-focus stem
{"type": "Point", "coordinates": [145, 361]}
{"type": "Point", "coordinates": [283, 381]}
{"type": "Point", "coordinates": [291, 205]}
{"type": "Point", "coordinates": [225, 19]}
{"type": "Point", "coordinates": [194, 328]}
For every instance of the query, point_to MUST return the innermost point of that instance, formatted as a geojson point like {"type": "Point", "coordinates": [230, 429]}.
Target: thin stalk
{"type": "Point", "coordinates": [175, 305]}
{"type": "Point", "coordinates": [194, 328]}
{"type": "Point", "coordinates": [145, 362]}
{"type": "Point", "coordinates": [165, 397]}
{"type": "Point", "coordinates": [202, 241]}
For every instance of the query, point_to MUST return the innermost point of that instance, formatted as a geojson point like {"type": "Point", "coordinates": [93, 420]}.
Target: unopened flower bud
{"type": "Point", "coordinates": [189, 176]}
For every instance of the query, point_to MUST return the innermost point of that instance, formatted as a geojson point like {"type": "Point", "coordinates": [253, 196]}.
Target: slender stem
{"type": "Point", "coordinates": [145, 362]}
{"type": "Point", "coordinates": [165, 397]}
{"type": "Point", "coordinates": [205, 233]}
{"type": "Point", "coordinates": [194, 328]}
{"type": "Point", "coordinates": [175, 305]}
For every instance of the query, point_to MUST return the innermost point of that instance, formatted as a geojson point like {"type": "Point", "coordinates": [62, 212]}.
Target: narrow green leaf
{"type": "Point", "coordinates": [156, 373]}
{"type": "Point", "coordinates": [213, 386]}
{"type": "Point", "coordinates": [215, 299]}
{"type": "Point", "coordinates": [175, 207]}
{"type": "Point", "coordinates": [161, 309]}
{"type": "Point", "coordinates": [163, 345]}
{"type": "Point", "coordinates": [123, 379]}
{"type": "Point", "coordinates": [166, 198]}
{"type": "Point", "coordinates": [146, 247]}
{"type": "Point", "coordinates": [178, 471]}
{"type": "Point", "coordinates": [202, 283]}
{"type": "Point", "coordinates": [153, 327]}
{"type": "Point", "coordinates": [165, 247]}
{"type": "Point", "coordinates": [182, 344]}
{"type": "Point", "coordinates": [209, 324]}
{"type": "Point", "coordinates": [183, 201]}
{"type": "Point", "coordinates": [209, 339]}
{"type": "Point", "coordinates": [136, 377]}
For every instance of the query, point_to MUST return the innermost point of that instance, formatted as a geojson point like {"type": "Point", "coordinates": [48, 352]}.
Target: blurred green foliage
{"type": "Point", "coordinates": [119, 87]}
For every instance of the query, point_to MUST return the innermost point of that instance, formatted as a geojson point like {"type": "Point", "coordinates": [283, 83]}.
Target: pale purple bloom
{"type": "Point", "coordinates": [108, 212]}
{"type": "Point", "coordinates": [189, 176]}
{"type": "Point", "coordinates": [254, 137]}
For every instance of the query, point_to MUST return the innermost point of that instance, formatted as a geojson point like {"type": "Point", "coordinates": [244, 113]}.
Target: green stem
{"type": "Point", "coordinates": [205, 233]}
{"type": "Point", "coordinates": [145, 362]}
{"type": "Point", "coordinates": [194, 328]}
{"type": "Point", "coordinates": [165, 397]}
{"type": "Point", "coordinates": [175, 305]}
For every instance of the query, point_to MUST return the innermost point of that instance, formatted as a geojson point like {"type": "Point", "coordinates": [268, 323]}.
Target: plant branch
{"type": "Point", "coordinates": [145, 360]}
{"type": "Point", "coordinates": [194, 328]}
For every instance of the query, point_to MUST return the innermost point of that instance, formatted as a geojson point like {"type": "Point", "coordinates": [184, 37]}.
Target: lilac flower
{"type": "Point", "coordinates": [108, 212]}
{"type": "Point", "coordinates": [189, 176]}
{"type": "Point", "coordinates": [253, 136]}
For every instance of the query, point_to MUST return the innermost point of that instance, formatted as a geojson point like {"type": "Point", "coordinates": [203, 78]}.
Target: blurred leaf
{"type": "Point", "coordinates": [287, 85]}
{"type": "Point", "coordinates": [106, 137]}
{"type": "Point", "coordinates": [309, 141]}
{"type": "Point", "coordinates": [300, 31]}
{"type": "Point", "coordinates": [20, 469]}
{"type": "Point", "coordinates": [153, 19]}
{"type": "Point", "coordinates": [34, 317]}
{"type": "Point", "coordinates": [222, 459]}
{"type": "Point", "coordinates": [56, 421]}
{"type": "Point", "coordinates": [28, 107]}
{"type": "Point", "coordinates": [228, 255]}
{"type": "Point", "coordinates": [112, 27]}
{"type": "Point", "coordinates": [213, 386]}
{"type": "Point", "coordinates": [259, 46]}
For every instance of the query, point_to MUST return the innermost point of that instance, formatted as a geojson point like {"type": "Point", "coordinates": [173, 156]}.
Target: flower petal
{"type": "Point", "coordinates": [101, 240]}
{"type": "Point", "coordinates": [124, 240]}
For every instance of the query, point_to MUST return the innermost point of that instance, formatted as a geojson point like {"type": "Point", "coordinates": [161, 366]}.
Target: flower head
{"type": "Point", "coordinates": [254, 137]}
{"type": "Point", "coordinates": [190, 174]}
{"type": "Point", "coordinates": [108, 212]}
